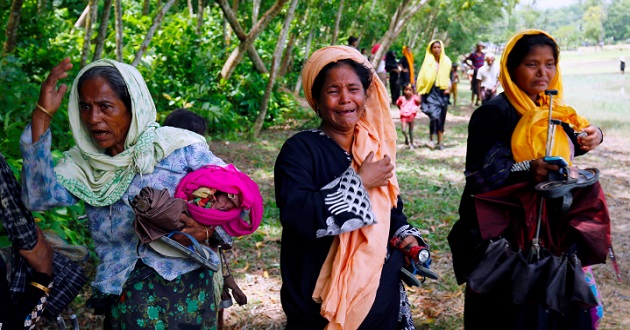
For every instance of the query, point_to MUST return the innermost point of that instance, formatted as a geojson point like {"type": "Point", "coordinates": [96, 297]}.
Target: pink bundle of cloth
{"type": "Point", "coordinates": [243, 192]}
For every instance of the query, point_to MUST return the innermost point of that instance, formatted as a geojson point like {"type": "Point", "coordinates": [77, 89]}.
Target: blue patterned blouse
{"type": "Point", "coordinates": [111, 226]}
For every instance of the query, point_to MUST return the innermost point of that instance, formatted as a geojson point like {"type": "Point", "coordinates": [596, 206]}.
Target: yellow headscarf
{"type": "Point", "coordinates": [434, 73]}
{"type": "Point", "coordinates": [530, 135]}
{"type": "Point", "coordinates": [350, 276]}
{"type": "Point", "coordinates": [409, 56]}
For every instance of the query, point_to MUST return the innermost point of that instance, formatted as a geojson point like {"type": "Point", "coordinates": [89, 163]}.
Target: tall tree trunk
{"type": "Point", "coordinates": [288, 55]}
{"type": "Point", "coordinates": [255, 11]}
{"type": "Point", "coordinates": [237, 54]}
{"type": "Point", "coordinates": [119, 29]}
{"type": "Point", "coordinates": [156, 22]}
{"type": "Point", "coordinates": [81, 21]}
{"type": "Point", "coordinates": [337, 20]}
{"type": "Point", "coordinates": [199, 16]}
{"type": "Point", "coordinates": [277, 54]}
{"type": "Point", "coordinates": [191, 12]}
{"type": "Point", "coordinates": [307, 53]}
{"type": "Point", "coordinates": [146, 7]}
{"type": "Point", "coordinates": [404, 12]}
{"type": "Point", "coordinates": [102, 30]}
{"type": "Point", "coordinates": [234, 10]}
{"type": "Point", "coordinates": [230, 16]}
{"type": "Point", "coordinates": [87, 37]}
{"type": "Point", "coordinates": [226, 33]}
{"type": "Point", "coordinates": [12, 26]}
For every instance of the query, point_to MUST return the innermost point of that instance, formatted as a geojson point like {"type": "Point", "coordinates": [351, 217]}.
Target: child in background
{"type": "Point", "coordinates": [408, 103]}
{"type": "Point", "coordinates": [454, 82]}
{"type": "Point", "coordinates": [186, 119]}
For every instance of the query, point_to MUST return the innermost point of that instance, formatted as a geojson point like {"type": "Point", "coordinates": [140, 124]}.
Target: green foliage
{"type": "Point", "coordinates": [593, 27]}
{"type": "Point", "coordinates": [617, 23]}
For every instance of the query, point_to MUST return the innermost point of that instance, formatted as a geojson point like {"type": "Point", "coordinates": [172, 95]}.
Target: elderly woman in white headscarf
{"type": "Point", "coordinates": [119, 150]}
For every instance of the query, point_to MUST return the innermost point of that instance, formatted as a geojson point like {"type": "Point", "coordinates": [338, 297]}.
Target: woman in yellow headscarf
{"type": "Point", "coordinates": [339, 203]}
{"type": "Point", "coordinates": [434, 85]}
{"type": "Point", "coordinates": [506, 148]}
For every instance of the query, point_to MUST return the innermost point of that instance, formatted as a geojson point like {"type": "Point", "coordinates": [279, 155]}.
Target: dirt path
{"type": "Point", "coordinates": [613, 159]}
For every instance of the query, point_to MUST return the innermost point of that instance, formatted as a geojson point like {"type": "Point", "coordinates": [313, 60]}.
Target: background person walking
{"type": "Point", "coordinates": [434, 83]}
{"type": "Point", "coordinates": [475, 60]}
{"type": "Point", "coordinates": [488, 76]}
{"type": "Point", "coordinates": [393, 68]}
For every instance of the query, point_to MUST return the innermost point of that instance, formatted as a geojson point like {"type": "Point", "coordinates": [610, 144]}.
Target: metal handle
{"type": "Point", "coordinates": [550, 124]}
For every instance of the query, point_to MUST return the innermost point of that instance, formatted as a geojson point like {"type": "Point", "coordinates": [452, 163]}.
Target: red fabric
{"type": "Point", "coordinates": [229, 180]}
{"type": "Point", "coordinates": [375, 48]}
{"type": "Point", "coordinates": [513, 212]}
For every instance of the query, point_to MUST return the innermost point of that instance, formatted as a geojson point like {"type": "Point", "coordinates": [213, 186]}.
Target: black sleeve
{"type": "Point", "coordinates": [398, 218]}
{"type": "Point", "coordinates": [311, 209]}
{"type": "Point", "coordinates": [573, 137]}
{"type": "Point", "coordinates": [29, 299]}
{"type": "Point", "coordinates": [489, 155]}
{"type": "Point", "coordinates": [14, 315]}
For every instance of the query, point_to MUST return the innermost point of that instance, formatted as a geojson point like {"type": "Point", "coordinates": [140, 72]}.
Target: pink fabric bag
{"type": "Point", "coordinates": [229, 180]}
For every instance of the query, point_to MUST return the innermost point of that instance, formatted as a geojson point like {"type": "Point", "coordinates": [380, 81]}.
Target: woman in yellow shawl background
{"type": "Point", "coordinates": [506, 146]}
{"type": "Point", "coordinates": [339, 203]}
{"type": "Point", "coordinates": [434, 85]}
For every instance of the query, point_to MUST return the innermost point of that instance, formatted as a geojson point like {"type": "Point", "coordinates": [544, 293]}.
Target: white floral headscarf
{"type": "Point", "coordinates": [99, 179]}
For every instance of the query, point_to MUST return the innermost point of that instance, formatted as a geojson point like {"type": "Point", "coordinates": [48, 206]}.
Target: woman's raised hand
{"type": "Point", "coordinates": [49, 99]}
{"type": "Point", "coordinates": [592, 139]}
{"type": "Point", "coordinates": [50, 96]}
{"type": "Point", "coordinates": [376, 173]}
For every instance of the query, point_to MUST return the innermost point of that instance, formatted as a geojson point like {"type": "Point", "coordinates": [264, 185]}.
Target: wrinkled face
{"type": "Point", "coordinates": [490, 60]}
{"type": "Point", "coordinates": [104, 115]}
{"type": "Point", "coordinates": [408, 91]}
{"type": "Point", "coordinates": [436, 50]}
{"type": "Point", "coordinates": [342, 99]}
{"type": "Point", "coordinates": [536, 71]}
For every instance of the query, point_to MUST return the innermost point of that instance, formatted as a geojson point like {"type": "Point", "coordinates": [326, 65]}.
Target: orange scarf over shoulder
{"type": "Point", "coordinates": [350, 276]}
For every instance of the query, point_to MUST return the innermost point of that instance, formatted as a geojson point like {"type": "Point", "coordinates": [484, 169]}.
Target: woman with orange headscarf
{"type": "Point", "coordinates": [339, 203]}
{"type": "Point", "coordinates": [434, 85]}
{"type": "Point", "coordinates": [407, 72]}
{"type": "Point", "coordinates": [506, 150]}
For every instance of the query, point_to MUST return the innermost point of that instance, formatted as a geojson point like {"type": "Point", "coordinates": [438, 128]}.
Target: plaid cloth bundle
{"type": "Point", "coordinates": [18, 221]}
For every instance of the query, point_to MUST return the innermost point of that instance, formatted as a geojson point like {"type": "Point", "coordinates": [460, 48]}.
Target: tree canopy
{"type": "Point", "coordinates": [214, 56]}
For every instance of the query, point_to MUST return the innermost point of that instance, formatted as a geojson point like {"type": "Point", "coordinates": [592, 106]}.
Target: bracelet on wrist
{"type": "Point", "coordinates": [41, 287]}
{"type": "Point", "coordinates": [601, 133]}
{"type": "Point", "coordinates": [42, 109]}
